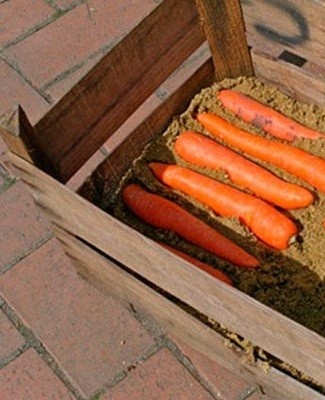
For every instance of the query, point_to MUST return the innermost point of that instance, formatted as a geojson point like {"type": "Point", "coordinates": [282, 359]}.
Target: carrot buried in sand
{"type": "Point", "coordinates": [162, 213]}
{"type": "Point", "coordinates": [201, 265]}
{"type": "Point", "coordinates": [291, 159]}
{"type": "Point", "coordinates": [265, 117]}
{"type": "Point", "coordinates": [204, 152]}
{"type": "Point", "coordinates": [267, 223]}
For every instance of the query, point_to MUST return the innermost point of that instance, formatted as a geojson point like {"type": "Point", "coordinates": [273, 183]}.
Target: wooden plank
{"type": "Point", "coordinates": [298, 83]}
{"type": "Point", "coordinates": [88, 114]}
{"type": "Point", "coordinates": [82, 128]}
{"type": "Point", "coordinates": [268, 329]}
{"type": "Point", "coordinates": [224, 27]}
{"type": "Point", "coordinates": [297, 26]}
{"type": "Point", "coordinates": [194, 66]}
{"type": "Point", "coordinates": [119, 160]}
{"type": "Point", "coordinates": [20, 138]}
{"type": "Point", "coordinates": [112, 280]}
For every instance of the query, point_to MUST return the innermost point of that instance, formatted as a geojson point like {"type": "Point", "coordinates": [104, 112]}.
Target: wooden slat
{"type": "Point", "coordinates": [110, 92]}
{"type": "Point", "coordinates": [299, 83]}
{"type": "Point", "coordinates": [268, 329]}
{"type": "Point", "coordinates": [194, 66]}
{"type": "Point", "coordinates": [21, 139]}
{"type": "Point", "coordinates": [96, 106]}
{"type": "Point", "coordinates": [224, 27]}
{"type": "Point", "coordinates": [296, 25]}
{"type": "Point", "coordinates": [119, 160]}
{"type": "Point", "coordinates": [112, 280]}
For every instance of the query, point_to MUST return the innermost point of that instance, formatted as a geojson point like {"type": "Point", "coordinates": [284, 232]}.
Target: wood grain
{"type": "Point", "coordinates": [21, 139]}
{"type": "Point", "coordinates": [298, 83]}
{"type": "Point", "coordinates": [76, 127]}
{"type": "Point", "coordinates": [296, 26]}
{"type": "Point", "coordinates": [224, 27]}
{"type": "Point", "coordinates": [131, 147]}
{"type": "Point", "coordinates": [268, 329]}
{"type": "Point", "coordinates": [112, 280]}
{"type": "Point", "coordinates": [84, 119]}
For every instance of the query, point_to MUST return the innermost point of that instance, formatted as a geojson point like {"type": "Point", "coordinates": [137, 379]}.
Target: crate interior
{"type": "Point", "coordinates": [295, 68]}
{"type": "Point", "coordinates": [289, 281]}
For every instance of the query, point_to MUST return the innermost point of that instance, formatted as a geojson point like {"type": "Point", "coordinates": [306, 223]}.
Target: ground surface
{"type": "Point", "coordinates": [60, 338]}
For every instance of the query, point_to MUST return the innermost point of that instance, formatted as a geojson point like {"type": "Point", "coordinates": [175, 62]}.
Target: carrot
{"type": "Point", "coordinates": [164, 214]}
{"type": "Point", "coordinates": [267, 223]}
{"type": "Point", "coordinates": [204, 152]}
{"type": "Point", "coordinates": [201, 265]}
{"type": "Point", "coordinates": [265, 117]}
{"type": "Point", "coordinates": [291, 159]}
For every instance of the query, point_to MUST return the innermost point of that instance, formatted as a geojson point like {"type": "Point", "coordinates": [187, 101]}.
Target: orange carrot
{"type": "Point", "coordinates": [204, 152]}
{"type": "Point", "coordinates": [291, 159]}
{"type": "Point", "coordinates": [265, 117]}
{"type": "Point", "coordinates": [267, 223]}
{"type": "Point", "coordinates": [164, 214]}
{"type": "Point", "coordinates": [201, 265]}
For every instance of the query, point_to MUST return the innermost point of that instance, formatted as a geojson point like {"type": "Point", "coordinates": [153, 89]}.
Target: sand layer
{"type": "Point", "coordinates": [290, 281]}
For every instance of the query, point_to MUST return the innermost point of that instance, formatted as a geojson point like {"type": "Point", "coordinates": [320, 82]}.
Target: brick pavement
{"type": "Point", "coordinates": [60, 338]}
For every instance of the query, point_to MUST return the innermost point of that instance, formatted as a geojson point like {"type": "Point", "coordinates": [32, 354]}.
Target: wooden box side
{"type": "Point", "coordinates": [87, 115]}
{"type": "Point", "coordinates": [287, 41]}
{"type": "Point", "coordinates": [276, 334]}
{"type": "Point", "coordinates": [92, 111]}
{"type": "Point", "coordinates": [271, 331]}
{"type": "Point", "coordinates": [295, 27]}
{"type": "Point", "coordinates": [172, 319]}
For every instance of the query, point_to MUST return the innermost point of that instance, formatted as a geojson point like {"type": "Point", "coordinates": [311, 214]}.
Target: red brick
{"type": "Point", "coordinates": [10, 338]}
{"type": "Point", "coordinates": [63, 4]}
{"type": "Point", "coordinates": [21, 224]}
{"type": "Point", "coordinates": [91, 336]}
{"type": "Point", "coordinates": [29, 378]}
{"type": "Point", "coordinates": [17, 17]}
{"type": "Point", "coordinates": [226, 383]}
{"type": "Point", "coordinates": [58, 89]}
{"type": "Point", "coordinates": [14, 90]}
{"type": "Point", "coordinates": [160, 377]}
{"type": "Point", "coordinates": [76, 35]}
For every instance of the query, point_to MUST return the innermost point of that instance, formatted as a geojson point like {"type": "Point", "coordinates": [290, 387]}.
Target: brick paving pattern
{"type": "Point", "coordinates": [60, 338]}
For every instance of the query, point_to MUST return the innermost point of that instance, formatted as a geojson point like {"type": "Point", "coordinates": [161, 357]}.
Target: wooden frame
{"type": "Point", "coordinates": [121, 261]}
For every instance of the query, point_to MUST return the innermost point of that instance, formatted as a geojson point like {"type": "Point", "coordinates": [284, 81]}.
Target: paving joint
{"type": "Point", "coordinates": [191, 368]}
{"type": "Point", "coordinates": [27, 251]}
{"type": "Point", "coordinates": [64, 75]}
{"type": "Point", "coordinates": [17, 69]}
{"type": "Point", "coordinates": [4, 361]}
{"type": "Point", "coordinates": [33, 342]}
{"type": "Point", "coordinates": [8, 181]}
{"type": "Point", "coordinates": [52, 4]}
{"type": "Point", "coordinates": [155, 330]}
{"type": "Point", "coordinates": [120, 376]}
{"type": "Point", "coordinates": [247, 393]}
{"type": "Point", "coordinates": [37, 27]}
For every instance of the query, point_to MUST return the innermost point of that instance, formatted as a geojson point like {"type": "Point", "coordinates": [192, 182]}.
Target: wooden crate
{"type": "Point", "coordinates": [287, 49]}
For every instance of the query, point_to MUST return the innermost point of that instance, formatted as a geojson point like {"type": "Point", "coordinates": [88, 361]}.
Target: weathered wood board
{"type": "Point", "coordinates": [264, 327]}
{"type": "Point", "coordinates": [108, 277]}
{"type": "Point", "coordinates": [91, 113]}
{"type": "Point", "coordinates": [296, 26]}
